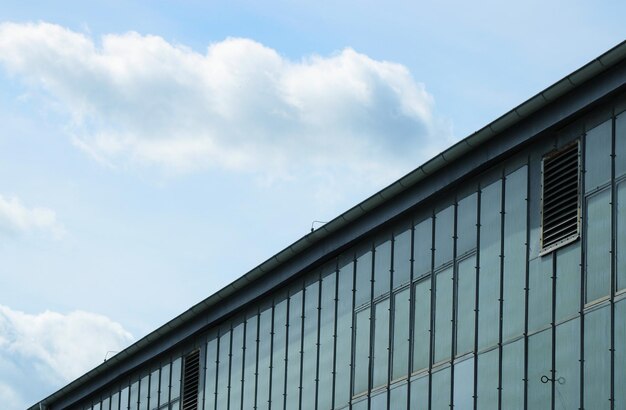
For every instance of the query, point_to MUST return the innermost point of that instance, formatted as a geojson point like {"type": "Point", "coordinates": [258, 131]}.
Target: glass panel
{"type": "Point", "coordinates": [514, 275]}
{"type": "Point", "coordinates": [398, 397]}
{"type": "Point", "coordinates": [422, 248]}
{"type": "Point", "coordinates": [144, 391]}
{"type": "Point", "coordinates": [620, 145]}
{"type": "Point", "coordinates": [265, 350]}
{"type": "Point", "coordinates": [487, 385]}
{"type": "Point", "coordinates": [327, 338]}
{"type": "Point", "coordinates": [133, 402]}
{"type": "Point", "coordinates": [598, 156]}
{"type": "Point", "coordinates": [620, 209]}
{"type": "Point", "coordinates": [106, 404]}
{"type": "Point", "coordinates": [176, 379]}
{"type": "Point", "coordinates": [444, 236]}
{"type": "Point", "coordinates": [597, 362]}
{"type": "Point", "coordinates": [598, 246]}
{"type": "Point", "coordinates": [278, 355]}
{"type": "Point", "coordinates": [379, 401]}
{"type": "Point", "coordinates": [210, 378]}
{"type": "Point", "coordinates": [361, 351]}
{"type": "Point", "coordinates": [236, 366]}
{"type": "Point", "coordinates": [175, 405]}
{"type": "Point", "coordinates": [513, 375]}
{"type": "Point", "coordinates": [293, 350]}
{"type": "Point", "coordinates": [540, 367]}
{"type": "Point", "coordinates": [382, 268]}
{"type": "Point", "coordinates": [402, 258]}
{"type": "Point", "coordinates": [464, 385]}
{"type": "Point", "coordinates": [466, 305]}
{"type": "Point", "coordinates": [467, 210]}
{"type": "Point", "coordinates": [344, 336]}
{"type": "Point", "coordinates": [421, 326]}
{"type": "Point", "coordinates": [164, 390]}
{"type": "Point", "coordinates": [540, 293]}
{"type": "Point", "coordinates": [567, 281]}
{"type": "Point", "coordinates": [443, 315]}
{"type": "Point", "coordinates": [115, 401]}
{"type": "Point", "coordinates": [441, 390]}
{"type": "Point", "coordinates": [97, 406]}
{"type": "Point", "coordinates": [309, 359]}
{"type": "Point", "coordinates": [620, 354]}
{"type": "Point", "coordinates": [223, 366]}
{"type": "Point", "coordinates": [124, 399]}
{"type": "Point", "coordinates": [567, 361]}
{"type": "Point", "coordinates": [489, 262]}
{"type": "Point", "coordinates": [154, 389]}
{"type": "Point", "coordinates": [380, 361]}
{"type": "Point", "coordinates": [361, 405]}
{"type": "Point", "coordinates": [401, 318]}
{"type": "Point", "coordinates": [419, 394]}
{"type": "Point", "coordinates": [363, 289]}
{"type": "Point", "coordinates": [249, 370]}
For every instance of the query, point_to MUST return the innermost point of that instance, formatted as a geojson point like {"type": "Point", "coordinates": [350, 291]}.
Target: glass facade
{"type": "Point", "coordinates": [451, 307]}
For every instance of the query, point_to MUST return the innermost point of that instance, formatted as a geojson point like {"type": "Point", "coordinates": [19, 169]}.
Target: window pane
{"type": "Point", "coordinates": [466, 224]}
{"type": "Point", "coordinates": [382, 268]}
{"type": "Point", "coordinates": [293, 350]}
{"type": "Point", "coordinates": [402, 258]}
{"type": "Point", "coordinates": [620, 354]}
{"type": "Point", "coordinates": [124, 399]}
{"type": "Point", "coordinates": [115, 401]}
{"type": "Point", "coordinates": [567, 374]}
{"type": "Point", "coordinates": [401, 317]}
{"type": "Point", "coordinates": [487, 385]}
{"type": "Point", "coordinates": [598, 156]}
{"type": "Point", "coordinates": [567, 281]}
{"type": "Point", "coordinates": [223, 366]}
{"type": "Point", "coordinates": [444, 236]}
{"type": "Point", "coordinates": [210, 378]}
{"type": "Point", "coordinates": [249, 371]}
{"type": "Point", "coordinates": [344, 336]}
{"type": "Point", "coordinates": [278, 355]}
{"type": "Point", "coordinates": [363, 279]}
{"type": "Point", "coordinates": [466, 305]}
{"type": "Point", "coordinates": [154, 389]}
{"type": "Point", "coordinates": [398, 397]}
{"type": "Point", "coordinates": [309, 359]}
{"type": "Point", "coordinates": [513, 375]}
{"type": "Point", "coordinates": [598, 245]}
{"type": "Point", "coordinates": [164, 390]}
{"type": "Point", "coordinates": [421, 327]}
{"type": "Point", "coordinates": [380, 360]}
{"type": "Point", "coordinates": [361, 351]}
{"type": "Point", "coordinates": [419, 394]}
{"type": "Point", "coordinates": [144, 391]}
{"type": "Point", "coordinates": [422, 248]}
{"type": "Point", "coordinates": [514, 275]}
{"type": "Point", "coordinates": [327, 338]}
{"type": "Point", "coordinates": [134, 396]}
{"type": "Point", "coordinates": [597, 362]}
{"type": "Point", "coordinates": [441, 390]}
{"type": "Point", "coordinates": [379, 401]}
{"type": "Point", "coordinates": [620, 209]}
{"type": "Point", "coordinates": [236, 366]}
{"type": "Point", "coordinates": [540, 293]}
{"type": "Point", "coordinates": [263, 370]}
{"type": "Point", "coordinates": [464, 385]}
{"type": "Point", "coordinates": [105, 404]}
{"type": "Point", "coordinates": [620, 144]}
{"type": "Point", "coordinates": [443, 315]}
{"type": "Point", "coordinates": [539, 365]}
{"type": "Point", "coordinates": [489, 262]}
{"type": "Point", "coordinates": [176, 379]}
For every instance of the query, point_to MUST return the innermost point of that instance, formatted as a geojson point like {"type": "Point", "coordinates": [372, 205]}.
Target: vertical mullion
{"type": "Point", "coordinates": [477, 290]}
{"type": "Point", "coordinates": [317, 343]}
{"type": "Point", "coordinates": [301, 345]}
{"type": "Point", "coordinates": [370, 368]}
{"type": "Point", "coordinates": [501, 298]}
{"type": "Point", "coordinates": [391, 318]}
{"type": "Point", "coordinates": [352, 328]}
{"type": "Point", "coordinates": [583, 258]}
{"type": "Point", "coordinates": [286, 359]}
{"type": "Point", "coordinates": [553, 328]}
{"type": "Point", "coordinates": [334, 371]}
{"type": "Point", "coordinates": [613, 259]}
{"type": "Point", "coordinates": [527, 282]}
{"type": "Point", "coordinates": [433, 289]}
{"type": "Point", "coordinates": [411, 316]}
{"type": "Point", "coordinates": [271, 358]}
{"type": "Point", "coordinates": [454, 300]}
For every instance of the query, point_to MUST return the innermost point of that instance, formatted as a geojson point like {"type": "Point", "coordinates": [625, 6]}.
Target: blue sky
{"type": "Point", "coordinates": [152, 152]}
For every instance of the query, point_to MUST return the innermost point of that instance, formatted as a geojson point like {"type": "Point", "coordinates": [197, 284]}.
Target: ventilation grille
{"type": "Point", "coordinates": [560, 200]}
{"type": "Point", "coordinates": [191, 380]}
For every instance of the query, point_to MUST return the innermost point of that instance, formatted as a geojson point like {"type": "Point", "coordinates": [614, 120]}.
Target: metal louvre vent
{"type": "Point", "coordinates": [191, 381]}
{"type": "Point", "coordinates": [560, 199]}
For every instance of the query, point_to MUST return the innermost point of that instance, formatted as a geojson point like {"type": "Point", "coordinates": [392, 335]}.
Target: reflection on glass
{"type": "Point", "coordinates": [487, 383]}
{"type": "Point", "coordinates": [402, 258]}
{"type": "Point", "coordinates": [344, 336]}
{"type": "Point", "coordinates": [380, 361]}
{"type": "Point", "coordinates": [443, 315]}
{"type": "Point", "coordinates": [223, 366]}
{"type": "Point", "coordinates": [401, 317]}
{"type": "Point", "coordinates": [620, 239]}
{"type": "Point", "coordinates": [293, 349]}
{"type": "Point", "coordinates": [597, 364]}
{"type": "Point", "coordinates": [598, 156]}
{"type": "Point", "coordinates": [236, 363]}
{"type": "Point", "coordinates": [133, 402]}
{"type": "Point", "coordinates": [382, 268]}
{"type": "Point", "coordinates": [263, 369]}
{"type": "Point", "coordinates": [464, 385]}
{"type": "Point", "coordinates": [441, 390]}
{"type": "Point", "coordinates": [398, 397]}
{"type": "Point", "coordinates": [598, 246]}
{"type": "Point", "coordinates": [444, 236]}
{"type": "Point", "coordinates": [422, 248]}
{"type": "Point", "coordinates": [144, 392]}
{"type": "Point", "coordinates": [467, 211]}
{"type": "Point", "coordinates": [309, 355]}
{"type": "Point", "coordinates": [466, 305]}
{"type": "Point", "coordinates": [249, 371]}
{"type": "Point", "coordinates": [115, 401]}
{"type": "Point", "coordinates": [620, 145]}
{"type": "Point", "coordinates": [164, 389]}
{"type": "Point", "coordinates": [361, 351]}
{"type": "Point", "coordinates": [327, 338]}
{"type": "Point", "coordinates": [421, 326]}
{"type": "Point", "coordinates": [154, 390]}
{"type": "Point", "coordinates": [176, 378]}
{"type": "Point", "coordinates": [419, 394]}
{"type": "Point", "coordinates": [124, 399]}
{"type": "Point", "coordinates": [363, 288]}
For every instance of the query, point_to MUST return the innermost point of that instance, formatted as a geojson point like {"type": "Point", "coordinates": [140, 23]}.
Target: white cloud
{"type": "Point", "coordinates": [40, 353]}
{"type": "Point", "coordinates": [17, 218]}
{"type": "Point", "coordinates": [240, 105]}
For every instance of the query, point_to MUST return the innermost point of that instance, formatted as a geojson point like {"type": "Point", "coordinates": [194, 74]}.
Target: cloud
{"type": "Point", "coordinates": [40, 353]}
{"type": "Point", "coordinates": [240, 106]}
{"type": "Point", "coordinates": [17, 218]}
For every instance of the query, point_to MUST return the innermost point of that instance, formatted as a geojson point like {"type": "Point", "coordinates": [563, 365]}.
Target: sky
{"type": "Point", "coordinates": [151, 152]}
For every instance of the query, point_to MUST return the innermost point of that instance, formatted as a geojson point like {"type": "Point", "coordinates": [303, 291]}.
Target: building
{"type": "Point", "coordinates": [491, 277]}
